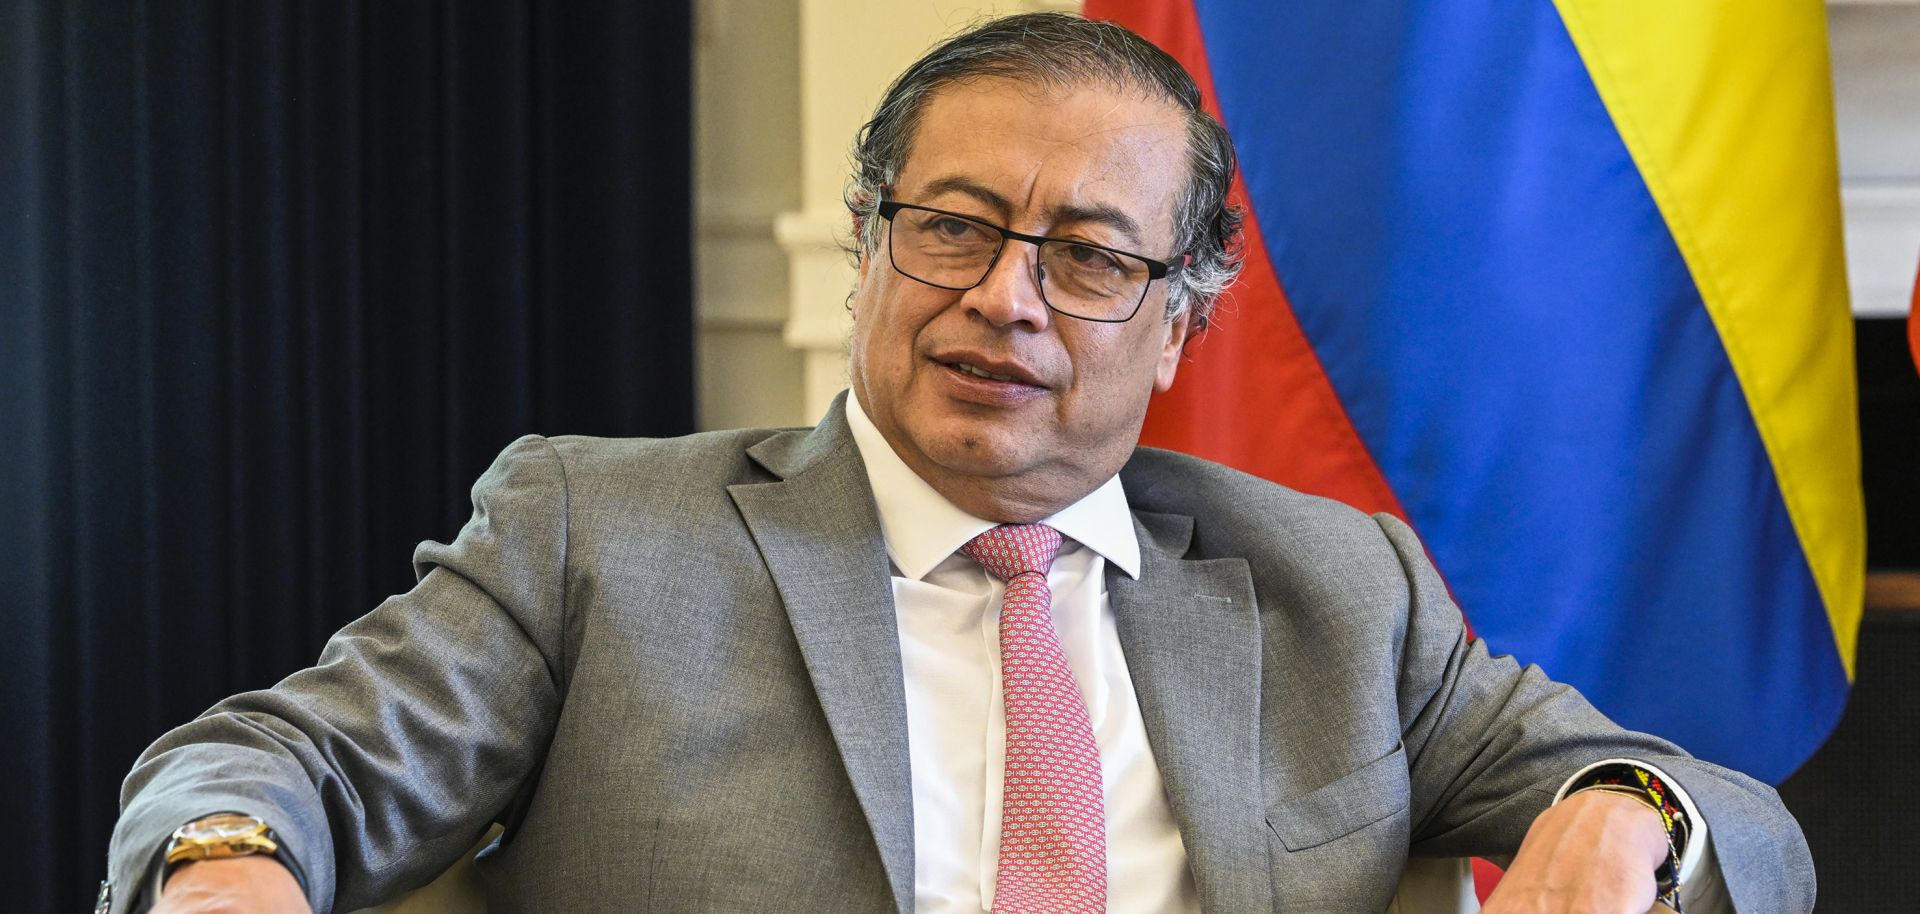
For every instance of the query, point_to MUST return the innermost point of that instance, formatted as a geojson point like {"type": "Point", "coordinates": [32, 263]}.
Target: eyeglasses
{"type": "Point", "coordinates": [1078, 279]}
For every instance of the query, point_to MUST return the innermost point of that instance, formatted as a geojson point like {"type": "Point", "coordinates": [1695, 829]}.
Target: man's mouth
{"type": "Point", "coordinates": [983, 373]}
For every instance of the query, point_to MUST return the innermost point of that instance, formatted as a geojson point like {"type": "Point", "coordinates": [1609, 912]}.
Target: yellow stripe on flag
{"type": "Point", "coordinates": [1727, 109]}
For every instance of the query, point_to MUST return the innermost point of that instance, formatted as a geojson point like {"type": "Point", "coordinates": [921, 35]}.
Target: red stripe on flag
{"type": "Point", "coordinates": [1252, 394]}
{"type": "Point", "coordinates": [1486, 875]}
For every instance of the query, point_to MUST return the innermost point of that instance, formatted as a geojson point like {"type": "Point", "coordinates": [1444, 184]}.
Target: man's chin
{"type": "Point", "coordinates": [982, 457]}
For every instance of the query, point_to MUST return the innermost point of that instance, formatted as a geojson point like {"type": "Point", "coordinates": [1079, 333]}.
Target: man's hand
{"type": "Point", "coordinates": [239, 885]}
{"type": "Point", "coordinates": [1592, 853]}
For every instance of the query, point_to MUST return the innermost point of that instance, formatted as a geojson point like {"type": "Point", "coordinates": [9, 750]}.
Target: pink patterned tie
{"type": "Point", "coordinates": [1053, 829]}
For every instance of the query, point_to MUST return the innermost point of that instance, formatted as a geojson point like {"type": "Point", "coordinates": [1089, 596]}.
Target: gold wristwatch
{"type": "Point", "coordinates": [220, 836]}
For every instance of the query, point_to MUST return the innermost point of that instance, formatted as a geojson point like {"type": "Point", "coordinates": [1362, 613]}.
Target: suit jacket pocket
{"type": "Point", "coordinates": [1370, 793]}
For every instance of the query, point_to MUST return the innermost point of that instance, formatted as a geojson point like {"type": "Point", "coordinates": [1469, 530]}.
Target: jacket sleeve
{"type": "Point", "coordinates": [1489, 743]}
{"type": "Point", "coordinates": [422, 720]}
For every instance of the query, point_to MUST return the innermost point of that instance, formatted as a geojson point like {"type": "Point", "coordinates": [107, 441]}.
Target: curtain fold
{"type": "Point", "coordinates": [277, 280]}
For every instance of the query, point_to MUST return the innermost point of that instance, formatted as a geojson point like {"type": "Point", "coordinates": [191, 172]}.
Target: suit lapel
{"type": "Point", "coordinates": [820, 535]}
{"type": "Point", "coordinates": [1191, 633]}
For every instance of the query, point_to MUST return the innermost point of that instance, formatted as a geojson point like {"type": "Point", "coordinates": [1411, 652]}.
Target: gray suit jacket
{"type": "Point", "coordinates": [671, 668]}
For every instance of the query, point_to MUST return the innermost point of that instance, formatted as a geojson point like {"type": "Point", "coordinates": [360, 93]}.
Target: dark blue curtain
{"type": "Point", "coordinates": [276, 281]}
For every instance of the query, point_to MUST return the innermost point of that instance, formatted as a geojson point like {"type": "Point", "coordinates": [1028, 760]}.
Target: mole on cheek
{"type": "Point", "coordinates": [970, 443]}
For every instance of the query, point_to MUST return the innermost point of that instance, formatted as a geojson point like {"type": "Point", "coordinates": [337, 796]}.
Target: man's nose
{"type": "Point", "coordinates": [1010, 293]}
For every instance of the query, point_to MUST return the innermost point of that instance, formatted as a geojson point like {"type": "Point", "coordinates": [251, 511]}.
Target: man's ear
{"type": "Point", "coordinates": [1179, 331]}
{"type": "Point", "coordinates": [859, 242]}
{"type": "Point", "coordinates": [860, 273]}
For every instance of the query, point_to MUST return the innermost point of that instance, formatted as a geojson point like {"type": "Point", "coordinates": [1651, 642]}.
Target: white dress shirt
{"type": "Point", "coordinates": [949, 613]}
{"type": "Point", "coordinates": [948, 609]}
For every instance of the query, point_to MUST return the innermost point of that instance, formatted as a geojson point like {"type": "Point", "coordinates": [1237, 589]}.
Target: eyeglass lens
{"type": "Point", "coordinates": [956, 253]}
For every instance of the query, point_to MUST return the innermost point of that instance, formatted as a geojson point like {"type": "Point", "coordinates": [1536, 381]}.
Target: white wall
{"type": "Point", "coordinates": [1876, 87]}
{"type": "Point", "coordinates": [746, 172]}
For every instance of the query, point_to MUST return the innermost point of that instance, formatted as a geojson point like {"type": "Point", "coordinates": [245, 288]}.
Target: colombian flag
{"type": "Point", "coordinates": [1561, 284]}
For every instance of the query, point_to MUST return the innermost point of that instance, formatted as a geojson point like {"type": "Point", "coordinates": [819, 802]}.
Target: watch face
{"type": "Point", "coordinates": [214, 828]}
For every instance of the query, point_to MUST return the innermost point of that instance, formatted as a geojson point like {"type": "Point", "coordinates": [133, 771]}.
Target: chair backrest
{"type": "Point", "coordinates": [1436, 885]}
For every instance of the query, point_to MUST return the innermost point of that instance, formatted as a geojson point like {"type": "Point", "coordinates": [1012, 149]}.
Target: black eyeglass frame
{"type": "Point", "coordinates": [1156, 269]}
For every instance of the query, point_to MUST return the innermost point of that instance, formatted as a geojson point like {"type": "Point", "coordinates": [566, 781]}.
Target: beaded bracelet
{"type": "Point", "coordinates": [1648, 788]}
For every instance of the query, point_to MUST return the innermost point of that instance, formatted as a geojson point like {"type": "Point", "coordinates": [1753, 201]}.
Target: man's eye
{"type": "Point", "coordinates": [955, 229]}
{"type": "Point", "coordinates": [1091, 258]}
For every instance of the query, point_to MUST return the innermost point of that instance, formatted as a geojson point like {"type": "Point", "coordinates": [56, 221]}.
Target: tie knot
{"type": "Point", "coordinates": [1014, 549]}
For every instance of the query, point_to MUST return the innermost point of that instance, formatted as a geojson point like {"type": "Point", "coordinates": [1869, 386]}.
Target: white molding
{"type": "Point", "coordinates": [819, 280]}
{"type": "Point", "coordinates": [1883, 244]}
{"type": "Point", "coordinates": [809, 230]}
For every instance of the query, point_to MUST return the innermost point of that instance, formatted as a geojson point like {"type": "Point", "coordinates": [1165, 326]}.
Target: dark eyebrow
{"type": "Point", "coordinates": [1099, 215]}
{"type": "Point", "coordinates": [971, 188]}
{"type": "Point", "coordinates": [1108, 216]}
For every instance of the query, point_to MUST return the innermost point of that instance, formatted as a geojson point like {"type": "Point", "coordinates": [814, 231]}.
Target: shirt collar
{"type": "Point", "coordinates": [922, 528]}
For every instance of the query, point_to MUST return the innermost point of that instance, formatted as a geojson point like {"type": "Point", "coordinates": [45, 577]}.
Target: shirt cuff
{"type": "Point", "coordinates": [1693, 860]}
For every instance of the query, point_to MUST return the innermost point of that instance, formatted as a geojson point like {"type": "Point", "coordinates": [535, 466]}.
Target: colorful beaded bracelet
{"type": "Point", "coordinates": [1648, 788]}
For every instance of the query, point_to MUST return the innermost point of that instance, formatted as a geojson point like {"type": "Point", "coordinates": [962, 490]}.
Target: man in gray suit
{"type": "Point", "coordinates": [963, 645]}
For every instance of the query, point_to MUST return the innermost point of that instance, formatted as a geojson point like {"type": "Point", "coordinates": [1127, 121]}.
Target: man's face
{"type": "Point", "coordinates": [1089, 164]}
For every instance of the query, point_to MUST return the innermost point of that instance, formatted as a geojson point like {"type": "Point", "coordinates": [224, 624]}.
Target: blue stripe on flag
{"type": "Point", "coordinates": [1507, 319]}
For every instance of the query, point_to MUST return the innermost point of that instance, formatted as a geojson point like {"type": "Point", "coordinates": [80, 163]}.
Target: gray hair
{"type": "Point", "coordinates": [1060, 50]}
